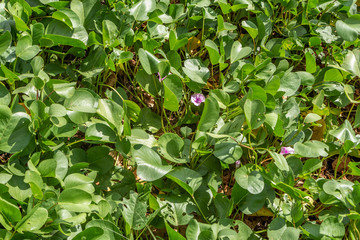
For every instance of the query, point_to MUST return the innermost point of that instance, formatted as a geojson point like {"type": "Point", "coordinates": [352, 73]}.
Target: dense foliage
{"type": "Point", "coordinates": [194, 119]}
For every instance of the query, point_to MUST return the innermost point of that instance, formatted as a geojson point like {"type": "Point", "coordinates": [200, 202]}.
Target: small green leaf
{"type": "Point", "coordinates": [280, 161]}
{"type": "Point", "coordinates": [213, 51]}
{"type": "Point", "coordinates": [172, 92]}
{"type": "Point", "coordinates": [210, 114]}
{"type": "Point", "coordinates": [310, 63]}
{"type": "Point", "coordinates": [253, 181]}
{"type": "Point", "coordinates": [254, 113]}
{"type": "Point", "coordinates": [148, 61]}
{"type": "Point", "coordinates": [196, 71]}
{"type": "Point", "coordinates": [5, 41]}
{"type": "Point", "coordinates": [311, 149]}
{"type": "Point", "coordinates": [149, 165]}
{"type": "Point", "coordinates": [25, 50]}
{"type": "Point", "coordinates": [251, 28]}
{"type": "Point", "coordinates": [33, 221]}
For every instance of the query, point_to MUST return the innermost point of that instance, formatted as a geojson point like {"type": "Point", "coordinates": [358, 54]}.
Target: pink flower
{"type": "Point", "coordinates": [237, 164]}
{"type": "Point", "coordinates": [287, 150]}
{"type": "Point", "coordinates": [197, 99]}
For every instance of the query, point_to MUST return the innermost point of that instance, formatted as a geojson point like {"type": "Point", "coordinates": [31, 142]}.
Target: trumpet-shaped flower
{"type": "Point", "coordinates": [287, 150]}
{"type": "Point", "coordinates": [197, 99]}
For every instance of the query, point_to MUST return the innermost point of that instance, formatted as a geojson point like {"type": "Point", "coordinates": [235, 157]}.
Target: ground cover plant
{"type": "Point", "coordinates": [185, 119]}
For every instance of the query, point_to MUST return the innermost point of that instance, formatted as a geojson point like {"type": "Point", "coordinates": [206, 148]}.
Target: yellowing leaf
{"type": "Point", "coordinates": [263, 212]}
{"type": "Point", "coordinates": [318, 132]}
{"type": "Point", "coordinates": [193, 43]}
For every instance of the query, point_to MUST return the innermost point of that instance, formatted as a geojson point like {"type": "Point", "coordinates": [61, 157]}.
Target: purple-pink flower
{"type": "Point", "coordinates": [287, 150]}
{"type": "Point", "coordinates": [197, 99]}
{"type": "Point", "coordinates": [237, 163]}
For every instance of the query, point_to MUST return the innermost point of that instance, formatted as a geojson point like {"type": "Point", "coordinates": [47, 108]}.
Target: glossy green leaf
{"type": "Point", "coordinates": [5, 41]}
{"type": "Point", "coordinates": [34, 220]}
{"type": "Point", "coordinates": [350, 28]}
{"type": "Point", "coordinates": [148, 61]}
{"type": "Point", "coordinates": [172, 92]}
{"type": "Point", "coordinates": [149, 164]}
{"type": "Point", "coordinates": [213, 51]}
{"type": "Point", "coordinates": [251, 28]}
{"type": "Point", "coordinates": [311, 149]}
{"type": "Point", "coordinates": [141, 9]}
{"type": "Point", "coordinates": [344, 132]}
{"type": "Point", "coordinates": [10, 211]}
{"type": "Point", "coordinates": [25, 50]}
{"type": "Point", "coordinates": [210, 114]}
{"type": "Point", "coordinates": [82, 101]}
{"type": "Point", "coordinates": [188, 179]}
{"type": "Point", "coordinates": [100, 132]}
{"type": "Point", "coordinates": [238, 52]}
{"type": "Point", "coordinates": [196, 71]}
{"type": "Point", "coordinates": [254, 113]}
{"type": "Point", "coordinates": [251, 181]}
{"type": "Point", "coordinates": [171, 146]}
{"type": "Point", "coordinates": [14, 132]}
{"type": "Point", "coordinates": [280, 161]}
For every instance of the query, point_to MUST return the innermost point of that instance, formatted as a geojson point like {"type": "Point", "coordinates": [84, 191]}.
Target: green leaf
{"type": "Point", "coordinates": [289, 83]}
{"type": "Point", "coordinates": [61, 165]}
{"type": "Point", "coordinates": [148, 82]}
{"type": "Point", "coordinates": [149, 165]}
{"type": "Point", "coordinates": [5, 97]}
{"type": "Point", "coordinates": [10, 211]}
{"type": "Point", "coordinates": [351, 63]}
{"type": "Point", "coordinates": [34, 220]}
{"type": "Point", "coordinates": [112, 112]}
{"type": "Point", "coordinates": [111, 231]}
{"type": "Point", "coordinates": [188, 179]}
{"type": "Point", "coordinates": [251, 28]}
{"type": "Point", "coordinates": [311, 165]}
{"type": "Point", "coordinates": [148, 61]}
{"type": "Point", "coordinates": [311, 149]}
{"type": "Point", "coordinates": [311, 117]}
{"type": "Point", "coordinates": [100, 132]}
{"type": "Point", "coordinates": [210, 114]}
{"type": "Point", "coordinates": [196, 71]}
{"type": "Point", "coordinates": [36, 183]}
{"type": "Point", "coordinates": [253, 181]}
{"type": "Point", "coordinates": [310, 62]}
{"type": "Point", "coordinates": [172, 234]}
{"type": "Point", "coordinates": [172, 92]}
{"type": "Point", "coordinates": [176, 209]}
{"type": "Point", "coordinates": [280, 161]}
{"type": "Point", "coordinates": [350, 28]}
{"type": "Point", "coordinates": [254, 113]}
{"type": "Point", "coordinates": [54, 40]}
{"type": "Point", "coordinates": [332, 227]}
{"type": "Point", "coordinates": [134, 210]}
{"type": "Point", "coordinates": [91, 233]}
{"type": "Point", "coordinates": [213, 51]}
{"type": "Point", "coordinates": [228, 151]}
{"type": "Point", "coordinates": [75, 200]}
{"type": "Point", "coordinates": [14, 132]}
{"type": "Point", "coordinates": [333, 75]}
{"type": "Point", "coordinates": [25, 50]}
{"type": "Point", "coordinates": [68, 17]}
{"type": "Point", "coordinates": [5, 41]}
{"type": "Point", "coordinates": [278, 230]}
{"type": "Point", "coordinates": [238, 52]}
{"type": "Point", "coordinates": [141, 9]}
{"type": "Point", "coordinates": [82, 101]}
{"type": "Point", "coordinates": [344, 132]}
{"type": "Point", "coordinates": [171, 146]}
